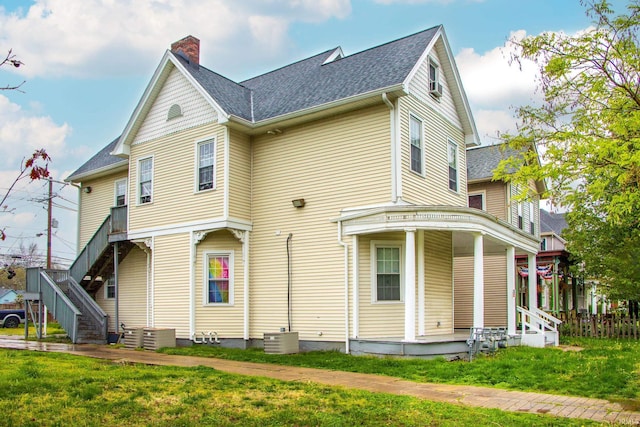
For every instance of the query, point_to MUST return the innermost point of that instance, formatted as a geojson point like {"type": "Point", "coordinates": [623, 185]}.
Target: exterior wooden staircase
{"type": "Point", "coordinates": [69, 294]}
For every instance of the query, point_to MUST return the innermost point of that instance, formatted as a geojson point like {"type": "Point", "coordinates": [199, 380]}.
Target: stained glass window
{"type": "Point", "coordinates": [218, 279]}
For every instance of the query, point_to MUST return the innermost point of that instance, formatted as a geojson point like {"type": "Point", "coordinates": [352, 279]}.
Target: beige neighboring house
{"type": "Point", "coordinates": [326, 198]}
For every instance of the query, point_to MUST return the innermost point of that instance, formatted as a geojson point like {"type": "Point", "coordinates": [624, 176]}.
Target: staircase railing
{"type": "Point", "coordinates": [89, 307]}
{"type": "Point", "coordinates": [91, 252]}
{"type": "Point", "coordinates": [63, 310]}
{"type": "Point", "coordinates": [551, 324]}
{"type": "Point", "coordinates": [532, 328]}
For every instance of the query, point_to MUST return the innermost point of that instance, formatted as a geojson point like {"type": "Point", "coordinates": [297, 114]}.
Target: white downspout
{"type": "Point", "coordinates": [396, 189]}
{"type": "Point", "coordinates": [192, 293]}
{"type": "Point", "coordinates": [346, 288]}
{"type": "Point", "coordinates": [245, 257]}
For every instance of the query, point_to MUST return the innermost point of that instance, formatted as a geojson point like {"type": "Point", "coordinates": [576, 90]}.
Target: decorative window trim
{"type": "Point", "coordinates": [205, 277]}
{"type": "Point", "coordinates": [198, 143]}
{"type": "Point", "coordinates": [422, 171]}
{"type": "Point", "coordinates": [139, 184]}
{"type": "Point", "coordinates": [482, 193]}
{"type": "Point", "coordinates": [374, 245]}
{"type": "Point", "coordinates": [451, 143]}
{"type": "Point", "coordinates": [115, 191]}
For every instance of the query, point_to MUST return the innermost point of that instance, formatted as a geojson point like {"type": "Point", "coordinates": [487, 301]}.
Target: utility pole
{"type": "Point", "coordinates": [49, 202]}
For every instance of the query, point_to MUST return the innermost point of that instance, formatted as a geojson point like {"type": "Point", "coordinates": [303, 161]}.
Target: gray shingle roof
{"type": "Point", "coordinates": [304, 84]}
{"type": "Point", "coordinates": [102, 159]}
{"type": "Point", "coordinates": [552, 222]}
{"type": "Point", "coordinates": [482, 161]}
{"type": "Point", "coordinates": [310, 82]}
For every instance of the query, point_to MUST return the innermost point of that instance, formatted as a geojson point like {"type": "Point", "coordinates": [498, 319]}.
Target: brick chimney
{"type": "Point", "coordinates": [188, 48]}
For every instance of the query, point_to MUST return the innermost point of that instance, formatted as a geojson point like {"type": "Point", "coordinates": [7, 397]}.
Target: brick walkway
{"type": "Point", "coordinates": [516, 401]}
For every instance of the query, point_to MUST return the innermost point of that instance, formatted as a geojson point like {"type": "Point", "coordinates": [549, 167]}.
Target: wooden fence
{"type": "Point", "coordinates": [600, 326]}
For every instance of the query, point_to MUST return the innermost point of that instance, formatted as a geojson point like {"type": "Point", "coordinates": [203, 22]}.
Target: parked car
{"type": "Point", "coordinates": [12, 318]}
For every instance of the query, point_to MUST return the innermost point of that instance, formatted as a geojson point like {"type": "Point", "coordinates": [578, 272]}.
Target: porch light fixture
{"type": "Point", "coordinates": [298, 203]}
{"type": "Point", "coordinates": [87, 189]}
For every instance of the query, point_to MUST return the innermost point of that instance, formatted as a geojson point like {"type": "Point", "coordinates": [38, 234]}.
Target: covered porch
{"type": "Point", "coordinates": [428, 239]}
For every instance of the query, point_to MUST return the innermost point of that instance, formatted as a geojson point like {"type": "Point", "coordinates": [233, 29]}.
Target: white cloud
{"type": "Point", "coordinates": [494, 86]}
{"type": "Point", "coordinates": [22, 132]}
{"type": "Point", "coordinates": [103, 37]}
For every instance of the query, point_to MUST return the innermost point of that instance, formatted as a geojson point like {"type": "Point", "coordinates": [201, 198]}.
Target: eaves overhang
{"type": "Point", "coordinates": [318, 111]}
{"type": "Point", "coordinates": [438, 218]}
{"type": "Point", "coordinates": [100, 172]}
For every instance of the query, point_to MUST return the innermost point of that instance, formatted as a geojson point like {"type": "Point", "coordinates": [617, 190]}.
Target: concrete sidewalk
{"type": "Point", "coordinates": [516, 401]}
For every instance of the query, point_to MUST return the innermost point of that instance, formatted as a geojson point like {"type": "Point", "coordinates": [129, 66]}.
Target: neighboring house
{"type": "Point", "coordinates": [327, 197]}
{"type": "Point", "coordinates": [499, 198]}
{"type": "Point", "coordinates": [8, 296]}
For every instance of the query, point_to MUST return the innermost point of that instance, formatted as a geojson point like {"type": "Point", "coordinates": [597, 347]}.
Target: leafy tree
{"type": "Point", "coordinates": [34, 167]}
{"type": "Point", "coordinates": [587, 131]}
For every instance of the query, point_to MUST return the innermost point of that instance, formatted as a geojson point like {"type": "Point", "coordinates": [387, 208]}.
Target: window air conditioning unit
{"type": "Point", "coordinates": [281, 343]}
{"type": "Point", "coordinates": [435, 89]}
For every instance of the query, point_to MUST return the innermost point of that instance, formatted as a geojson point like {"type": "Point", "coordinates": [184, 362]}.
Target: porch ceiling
{"type": "Point", "coordinates": [462, 222]}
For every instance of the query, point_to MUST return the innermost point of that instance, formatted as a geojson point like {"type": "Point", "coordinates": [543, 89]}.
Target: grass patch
{"type": "Point", "coordinates": [608, 369]}
{"type": "Point", "coordinates": [46, 389]}
{"type": "Point", "coordinates": [53, 328]}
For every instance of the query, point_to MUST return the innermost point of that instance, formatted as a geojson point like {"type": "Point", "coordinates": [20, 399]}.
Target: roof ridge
{"type": "Point", "coordinates": [288, 65]}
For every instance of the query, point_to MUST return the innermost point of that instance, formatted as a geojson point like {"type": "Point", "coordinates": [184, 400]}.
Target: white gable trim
{"type": "Point", "coordinates": [468, 124]}
{"type": "Point", "coordinates": [168, 62]}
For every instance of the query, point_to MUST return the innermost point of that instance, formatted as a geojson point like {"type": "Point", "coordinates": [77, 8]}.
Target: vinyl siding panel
{"type": "Point", "coordinates": [174, 180]}
{"type": "Point", "coordinates": [438, 283]}
{"type": "Point", "coordinates": [96, 206]}
{"type": "Point", "coordinates": [433, 187]}
{"type": "Point", "coordinates": [171, 272]}
{"type": "Point", "coordinates": [419, 87]}
{"type": "Point", "coordinates": [377, 320]}
{"type": "Point", "coordinates": [240, 176]}
{"type": "Point", "coordinates": [227, 320]}
{"type": "Point", "coordinates": [495, 197]}
{"type": "Point", "coordinates": [333, 164]}
{"type": "Point", "coordinates": [196, 111]}
{"type": "Point", "coordinates": [132, 289]}
{"type": "Point", "coordinates": [495, 291]}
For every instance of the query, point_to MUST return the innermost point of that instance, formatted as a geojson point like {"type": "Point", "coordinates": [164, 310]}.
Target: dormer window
{"type": "Point", "coordinates": [174, 111]}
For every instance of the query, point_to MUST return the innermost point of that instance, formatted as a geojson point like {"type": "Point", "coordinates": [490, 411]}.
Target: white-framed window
{"type": "Point", "coordinates": [387, 271]}
{"type": "Point", "coordinates": [218, 278]}
{"type": "Point", "coordinates": [435, 88]}
{"type": "Point", "coordinates": [205, 165]}
{"type": "Point", "coordinates": [120, 192]}
{"type": "Point", "coordinates": [416, 138]}
{"type": "Point", "coordinates": [145, 180]}
{"type": "Point", "coordinates": [452, 155]}
{"type": "Point", "coordinates": [532, 225]}
{"type": "Point", "coordinates": [520, 219]}
{"type": "Point", "coordinates": [109, 289]}
{"type": "Point", "coordinates": [543, 244]}
{"type": "Point", "coordinates": [477, 201]}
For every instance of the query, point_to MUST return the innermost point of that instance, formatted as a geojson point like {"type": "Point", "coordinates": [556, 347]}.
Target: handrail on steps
{"type": "Point", "coordinates": [89, 306]}
{"type": "Point", "coordinates": [549, 318]}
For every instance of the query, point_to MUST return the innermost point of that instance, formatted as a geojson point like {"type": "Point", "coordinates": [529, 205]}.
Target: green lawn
{"type": "Point", "coordinates": [53, 328]}
{"type": "Point", "coordinates": [608, 369]}
{"type": "Point", "coordinates": [51, 389]}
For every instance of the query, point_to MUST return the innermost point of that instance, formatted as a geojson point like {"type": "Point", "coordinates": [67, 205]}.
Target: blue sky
{"type": "Point", "coordinates": [87, 63]}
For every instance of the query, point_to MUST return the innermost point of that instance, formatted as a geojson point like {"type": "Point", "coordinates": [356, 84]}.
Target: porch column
{"type": "Point", "coordinates": [511, 290]}
{"type": "Point", "coordinates": [421, 278]}
{"type": "Point", "coordinates": [478, 280]}
{"type": "Point", "coordinates": [410, 285]}
{"type": "Point", "coordinates": [533, 282]}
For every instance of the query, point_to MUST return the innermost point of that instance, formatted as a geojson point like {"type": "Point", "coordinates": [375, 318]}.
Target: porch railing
{"type": "Point", "coordinates": [63, 310]}
{"type": "Point", "coordinates": [118, 220]}
{"type": "Point", "coordinates": [89, 307]}
{"type": "Point", "coordinates": [535, 328]}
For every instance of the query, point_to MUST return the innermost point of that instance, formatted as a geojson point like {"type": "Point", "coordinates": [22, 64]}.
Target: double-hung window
{"type": "Point", "coordinates": [205, 165]}
{"type": "Point", "coordinates": [219, 278]}
{"type": "Point", "coordinates": [145, 179]}
{"type": "Point", "coordinates": [121, 192]}
{"type": "Point", "coordinates": [476, 201]}
{"type": "Point", "coordinates": [415, 134]}
{"type": "Point", "coordinates": [532, 226]}
{"type": "Point", "coordinates": [109, 289]}
{"type": "Point", "coordinates": [520, 219]}
{"type": "Point", "coordinates": [453, 165]}
{"type": "Point", "coordinates": [388, 272]}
